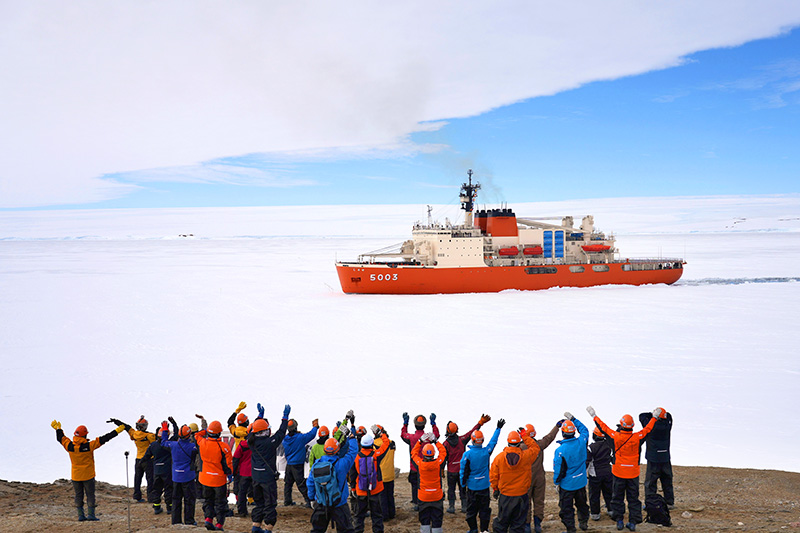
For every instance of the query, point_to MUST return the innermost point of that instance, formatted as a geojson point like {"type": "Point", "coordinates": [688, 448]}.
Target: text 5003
{"type": "Point", "coordinates": [383, 277]}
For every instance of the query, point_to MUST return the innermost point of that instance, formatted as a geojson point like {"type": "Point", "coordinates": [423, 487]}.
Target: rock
{"type": "Point", "coordinates": [697, 508]}
{"type": "Point", "coordinates": [686, 514]}
{"type": "Point", "coordinates": [739, 523]}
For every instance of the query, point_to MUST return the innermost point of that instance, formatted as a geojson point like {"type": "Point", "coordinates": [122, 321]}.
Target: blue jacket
{"type": "Point", "coordinates": [569, 463]}
{"type": "Point", "coordinates": [183, 452]}
{"type": "Point", "coordinates": [294, 446]}
{"type": "Point", "coordinates": [474, 471]}
{"type": "Point", "coordinates": [342, 464]}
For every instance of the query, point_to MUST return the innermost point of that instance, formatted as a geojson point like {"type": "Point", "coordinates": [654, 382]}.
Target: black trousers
{"type": "Point", "coordinates": [322, 516]}
{"type": "Point", "coordinates": [81, 487]}
{"type": "Point", "coordinates": [216, 502]}
{"type": "Point", "coordinates": [512, 511]}
{"type": "Point", "coordinates": [142, 469]}
{"type": "Point", "coordinates": [431, 514]}
{"type": "Point", "coordinates": [413, 479]}
{"type": "Point", "coordinates": [387, 500]}
{"type": "Point", "coordinates": [453, 482]}
{"type": "Point", "coordinates": [245, 486]}
{"type": "Point", "coordinates": [265, 498]}
{"type": "Point", "coordinates": [478, 507]}
{"type": "Point", "coordinates": [662, 472]}
{"type": "Point", "coordinates": [600, 485]}
{"type": "Point", "coordinates": [161, 484]}
{"type": "Point", "coordinates": [568, 501]}
{"type": "Point", "coordinates": [183, 491]}
{"type": "Point", "coordinates": [622, 489]}
{"type": "Point", "coordinates": [371, 503]}
{"type": "Point", "coordinates": [295, 474]}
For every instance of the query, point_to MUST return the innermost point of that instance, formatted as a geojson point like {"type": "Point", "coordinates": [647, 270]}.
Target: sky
{"type": "Point", "coordinates": [193, 104]}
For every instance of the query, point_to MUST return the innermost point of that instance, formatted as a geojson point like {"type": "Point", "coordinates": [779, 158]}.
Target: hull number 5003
{"type": "Point", "coordinates": [383, 277]}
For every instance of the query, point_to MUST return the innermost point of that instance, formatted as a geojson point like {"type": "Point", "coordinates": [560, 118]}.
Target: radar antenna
{"type": "Point", "coordinates": [469, 193]}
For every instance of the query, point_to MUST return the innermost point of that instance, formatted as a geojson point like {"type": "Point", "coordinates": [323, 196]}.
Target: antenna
{"type": "Point", "coordinates": [430, 220]}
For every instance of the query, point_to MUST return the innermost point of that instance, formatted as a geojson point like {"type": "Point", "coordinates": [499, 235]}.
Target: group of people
{"type": "Point", "coordinates": [352, 471]}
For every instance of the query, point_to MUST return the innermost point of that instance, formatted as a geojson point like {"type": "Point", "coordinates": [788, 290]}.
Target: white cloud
{"type": "Point", "coordinates": [96, 88]}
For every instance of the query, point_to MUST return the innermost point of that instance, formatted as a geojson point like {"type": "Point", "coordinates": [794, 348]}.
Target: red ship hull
{"type": "Point", "coordinates": [358, 278]}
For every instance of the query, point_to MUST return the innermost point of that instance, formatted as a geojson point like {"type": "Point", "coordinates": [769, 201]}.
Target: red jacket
{"type": "Point", "coordinates": [241, 458]}
{"type": "Point", "coordinates": [627, 448]}
{"type": "Point", "coordinates": [412, 438]}
{"type": "Point", "coordinates": [456, 446]}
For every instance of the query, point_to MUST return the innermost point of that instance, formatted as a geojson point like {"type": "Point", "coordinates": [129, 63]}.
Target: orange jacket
{"type": "Point", "coordinates": [142, 439]}
{"type": "Point", "coordinates": [377, 456]}
{"type": "Point", "coordinates": [430, 473]}
{"type": "Point", "coordinates": [81, 452]}
{"type": "Point", "coordinates": [213, 452]}
{"type": "Point", "coordinates": [627, 448]}
{"type": "Point", "coordinates": [511, 469]}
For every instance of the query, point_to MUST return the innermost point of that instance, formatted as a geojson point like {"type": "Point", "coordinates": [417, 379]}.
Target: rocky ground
{"type": "Point", "coordinates": [707, 499]}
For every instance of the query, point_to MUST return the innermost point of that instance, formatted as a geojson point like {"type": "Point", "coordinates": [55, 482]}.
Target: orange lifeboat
{"type": "Point", "coordinates": [513, 250]}
{"type": "Point", "coordinates": [533, 250]}
{"type": "Point", "coordinates": [596, 247]}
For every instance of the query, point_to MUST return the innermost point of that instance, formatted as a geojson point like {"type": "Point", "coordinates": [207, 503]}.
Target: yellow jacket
{"type": "Point", "coordinates": [387, 464]}
{"type": "Point", "coordinates": [81, 452]}
{"type": "Point", "coordinates": [142, 439]}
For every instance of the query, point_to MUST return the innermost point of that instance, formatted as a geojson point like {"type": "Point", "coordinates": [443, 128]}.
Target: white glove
{"type": "Point", "coordinates": [568, 415]}
{"type": "Point", "coordinates": [657, 412]}
{"type": "Point", "coordinates": [426, 437]}
{"type": "Point", "coordinates": [374, 429]}
{"type": "Point", "coordinates": [349, 414]}
{"type": "Point", "coordinates": [591, 411]}
{"type": "Point", "coordinates": [345, 431]}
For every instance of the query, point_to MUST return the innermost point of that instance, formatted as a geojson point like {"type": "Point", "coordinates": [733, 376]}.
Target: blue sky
{"type": "Point", "coordinates": [718, 121]}
{"type": "Point", "coordinates": [726, 122]}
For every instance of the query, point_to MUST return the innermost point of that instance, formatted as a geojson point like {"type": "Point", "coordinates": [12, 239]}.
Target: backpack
{"type": "Point", "coordinates": [326, 483]}
{"type": "Point", "coordinates": [367, 472]}
{"type": "Point", "coordinates": [657, 510]}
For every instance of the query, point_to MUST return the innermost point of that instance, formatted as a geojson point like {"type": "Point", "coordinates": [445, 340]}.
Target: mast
{"type": "Point", "coordinates": [469, 193]}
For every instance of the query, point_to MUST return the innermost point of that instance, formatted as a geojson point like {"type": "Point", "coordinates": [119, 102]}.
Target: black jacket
{"type": "Point", "coordinates": [658, 439]}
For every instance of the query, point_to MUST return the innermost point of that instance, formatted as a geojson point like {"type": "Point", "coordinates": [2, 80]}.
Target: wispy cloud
{"type": "Point", "coordinates": [104, 89]}
{"type": "Point", "coordinates": [774, 85]}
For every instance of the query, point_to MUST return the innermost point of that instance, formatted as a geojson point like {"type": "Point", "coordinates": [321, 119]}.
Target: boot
{"type": "Point", "coordinates": [584, 525]}
{"type": "Point", "coordinates": [81, 516]}
{"type": "Point", "coordinates": [157, 508]}
{"type": "Point", "coordinates": [452, 508]}
{"type": "Point", "coordinates": [210, 524]}
{"type": "Point", "coordinates": [91, 517]}
{"type": "Point", "coordinates": [256, 529]}
{"type": "Point", "coordinates": [169, 509]}
{"type": "Point", "coordinates": [527, 528]}
{"type": "Point", "coordinates": [463, 507]}
{"type": "Point", "coordinates": [631, 526]}
{"type": "Point", "coordinates": [425, 529]}
{"type": "Point", "coordinates": [620, 525]}
{"type": "Point", "coordinates": [436, 530]}
{"type": "Point", "coordinates": [537, 524]}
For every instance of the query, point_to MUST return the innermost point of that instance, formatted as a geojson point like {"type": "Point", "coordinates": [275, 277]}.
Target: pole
{"type": "Point", "coordinates": [126, 487]}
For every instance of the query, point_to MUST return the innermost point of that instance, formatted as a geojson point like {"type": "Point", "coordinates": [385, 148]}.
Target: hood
{"type": "Point", "coordinates": [452, 439]}
{"type": "Point", "coordinates": [513, 456]}
{"type": "Point", "coordinates": [79, 440]}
